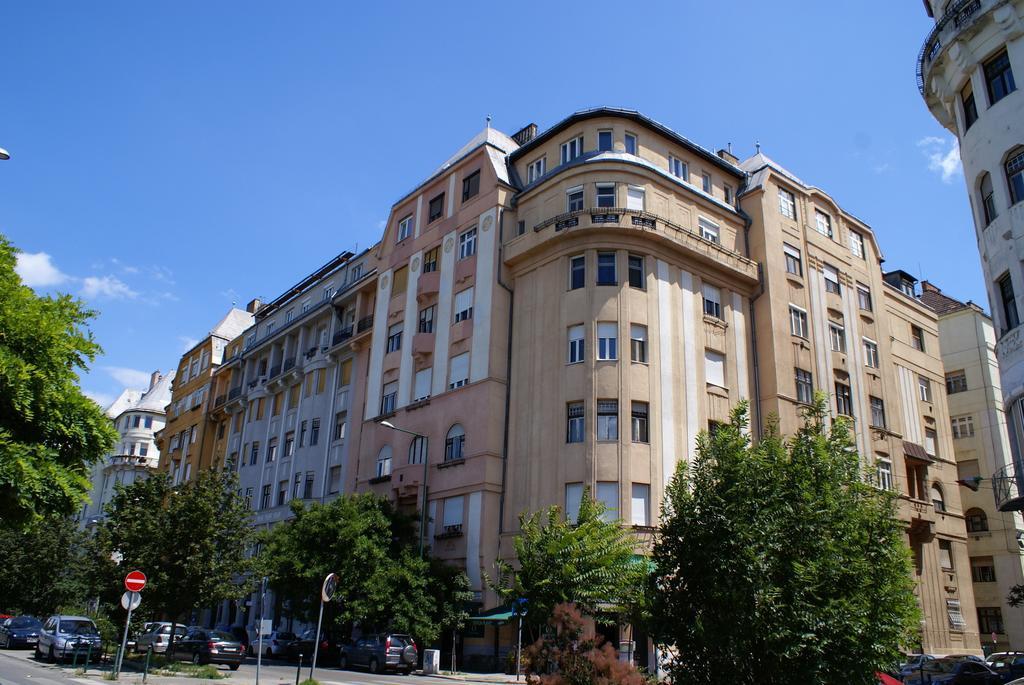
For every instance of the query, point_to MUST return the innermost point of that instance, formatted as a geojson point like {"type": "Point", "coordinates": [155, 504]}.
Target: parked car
{"type": "Point", "coordinates": [276, 644]}
{"type": "Point", "coordinates": [205, 646]}
{"type": "Point", "coordinates": [385, 652]}
{"type": "Point", "coordinates": [158, 635]}
{"type": "Point", "coordinates": [1009, 666]}
{"type": "Point", "coordinates": [20, 631]}
{"type": "Point", "coordinates": [63, 636]}
{"type": "Point", "coordinates": [951, 670]}
{"type": "Point", "coordinates": [327, 652]}
{"type": "Point", "coordinates": [1001, 656]}
{"type": "Point", "coordinates": [240, 634]}
{"type": "Point", "coordinates": [913, 664]}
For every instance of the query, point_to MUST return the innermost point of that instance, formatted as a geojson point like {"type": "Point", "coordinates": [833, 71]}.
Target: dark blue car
{"type": "Point", "coordinates": [20, 631]}
{"type": "Point", "coordinates": [955, 671]}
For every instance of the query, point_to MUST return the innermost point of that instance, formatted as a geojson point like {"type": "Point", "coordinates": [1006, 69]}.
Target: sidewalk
{"type": "Point", "coordinates": [476, 677]}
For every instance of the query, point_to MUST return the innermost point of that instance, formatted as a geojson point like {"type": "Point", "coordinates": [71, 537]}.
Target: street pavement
{"type": "Point", "coordinates": [19, 667]}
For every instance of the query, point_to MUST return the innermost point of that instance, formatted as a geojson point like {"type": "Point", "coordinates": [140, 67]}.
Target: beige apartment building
{"type": "Point", "coordinates": [982, 448]}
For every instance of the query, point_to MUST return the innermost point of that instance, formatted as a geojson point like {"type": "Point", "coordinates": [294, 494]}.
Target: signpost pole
{"type": "Point", "coordinates": [519, 648]}
{"type": "Point", "coordinates": [259, 630]}
{"type": "Point", "coordinates": [124, 640]}
{"type": "Point", "coordinates": [326, 593]}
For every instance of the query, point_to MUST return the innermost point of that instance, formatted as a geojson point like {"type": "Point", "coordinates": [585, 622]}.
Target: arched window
{"type": "Point", "coordinates": [977, 521]}
{"type": "Point", "coordinates": [1015, 175]}
{"type": "Point", "coordinates": [454, 443]}
{"type": "Point", "coordinates": [938, 499]}
{"type": "Point", "coordinates": [418, 450]}
{"type": "Point", "coordinates": [384, 461]}
{"type": "Point", "coordinates": [988, 200]}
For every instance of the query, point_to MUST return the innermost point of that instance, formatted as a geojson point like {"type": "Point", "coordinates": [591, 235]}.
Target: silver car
{"type": "Point", "coordinates": [158, 636]}
{"type": "Point", "coordinates": [64, 636]}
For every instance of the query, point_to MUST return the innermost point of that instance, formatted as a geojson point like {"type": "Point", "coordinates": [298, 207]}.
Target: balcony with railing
{"type": "Point", "coordinates": [1008, 489]}
{"type": "Point", "coordinates": [959, 16]}
{"type": "Point", "coordinates": [342, 335]}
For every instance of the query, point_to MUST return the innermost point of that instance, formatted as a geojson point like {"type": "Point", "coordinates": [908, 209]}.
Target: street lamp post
{"type": "Point", "coordinates": [426, 455]}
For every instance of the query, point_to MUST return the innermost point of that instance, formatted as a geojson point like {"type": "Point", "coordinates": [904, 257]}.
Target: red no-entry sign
{"type": "Point", "coordinates": [135, 581]}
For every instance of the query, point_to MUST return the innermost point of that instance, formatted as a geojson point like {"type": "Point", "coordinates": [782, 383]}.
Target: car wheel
{"type": "Point", "coordinates": [268, 653]}
{"type": "Point", "coordinates": [39, 655]}
{"type": "Point", "coordinates": [373, 666]}
{"type": "Point", "coordinates": [195, 659]}
{"type": "Point", "coordinates": [233, 667]}
{"type": "Point", "coordinates": [343, 662]}
{"type": "Point", "coordinates": [51, 657]}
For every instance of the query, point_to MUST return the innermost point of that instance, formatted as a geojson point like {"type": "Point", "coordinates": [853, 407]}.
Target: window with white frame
{"type": "Point", "coordinates": [536, 169]}
{"type": "Point", "coordinates": [831, 275]}
{"type": "Point", "coordinates": [728, 194]}
{"type": "Point", "coordinates": [956, 381]}
{"type": "Point", "coordinates": [963, 426]}
{"type": "Point", "coordinates": [639, 420]}
{"type": "Point", "coordinates": [871, 353]}
{"type": "Point", "coordinates": [573, 496]}
{"type": "Point", "coordinates": [794, 261]}
{"type": "Point", "coordinates": [607, 339]}
{"type": "Point", "coordinates": [823, 223]}
{"type": "Point", "coordinates": [455, 443]}
{"type": "Point", "coordinates": [608, 495]}
{"type": "Point", "coordinates": [576, 343]}
{"type": "Point", "coordinates": [705, 182]}
{"type": "Point", "coordinates": [574, 422]}
{"type": "Point", "coordinates": [844, 399]}
{"type": "Point", "coordinates": [930, 441]}
{"type": "Point", "coordinates": [635, 198]}
{"type": "Point", "coordinates": [638, 343]}
{"type": "Point", "coordinates": [714, 368]}
{"type": "Point", "coordinates": [857, 244]}
{"type": "Point", "coordinates": [467, 244]}
{"type": "Point", "coordinates": [678, 168]}
{"type": "Point", "coordinates": [458, 372]}
{"type": "Point", "coordinates": [956, 617]}
{"type": "Point", "coordinates": [837, 336]}
{"type": "Point", "coordinates": [804, 386]}
{"type": "Point", "coordinates": [640, 505]}
{"type": "Point", "coordinates": [712, 301]}
{"type": "Point", "coordinates": [604, 141]}
{"type": "Point", "coordinates": [574, 199]}
{"type": "Point", "coordinates": [464, 305]}
{"type": "Point", "coordinates": [787, 204]}
{"type": "Point", "coordinates": [629, 142]}
{"type": "Point", "coordinates": [607, 420]}
{"type": "Point", "coordinates": [405, 228]}
{"type": "Point", "coordinates": [571, 149]}
{"type": "Point", "coordinates": [864, 297]}
{"type": "Point", "coordinates": [384, 461]}
{"type": "Point", "coordinates": [452, 516]}
{"type": "Point", "coordinates": [421, 386]}
{"type": "Point", "coordinates": [395, 337]}
{"type": "Point", "coordinates": [877, 411]}
{"type": "Point", "coordinates": [389, 397]}
{"type": "Point", "coordinates": [797, 321]}
{"type": "Point", "coordinates": [577, 272]}
{"type": "Point", "coordinates": [426, 320]}
{"type": "Point", "coordinates": [883, 469]}
{"type": "Point", "coordinates": [605, 195]}
{"type": "Point", "coordinates": [709, 230]}
{"type": "Point", "coordinates": [924, 389]}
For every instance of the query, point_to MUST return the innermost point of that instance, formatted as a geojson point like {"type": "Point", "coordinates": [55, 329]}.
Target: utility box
{"type": "Point", "coordinates": [431, 661]}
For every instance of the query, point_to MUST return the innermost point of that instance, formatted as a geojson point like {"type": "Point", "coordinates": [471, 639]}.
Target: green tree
{"type": "Point", "coordinates": [50, 433]}
{"type": "Point", "coordinates": [590, 563]}
{"type": "Point", "coordinates": [778, 563]}
{"type": "Point", "coordinates": [190, 540]}
{"type": "Point", "coordinates": [39, 573]}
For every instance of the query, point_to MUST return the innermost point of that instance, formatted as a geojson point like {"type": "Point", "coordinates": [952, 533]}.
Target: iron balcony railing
{"type": "Point", "coordinates": [221, 399]}
{"type": "Point", "coordinates": [342, 335]}
{"type": "Point", "coordinates": [364, 323]}
{"type": "Point", "coordinates": [289, 363]}
{"type": "Point", "coordinates": [234, 392]}
{"type": "Point", "coordinates": [959, 14]}
{"type": "Point", "coordinates": [1008, 489]}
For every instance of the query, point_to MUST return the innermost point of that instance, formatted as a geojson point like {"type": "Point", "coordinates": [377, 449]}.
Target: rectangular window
{"type": "Point", "coordinates": [794, 262]}
{"type": "Point", "coordinates": [797, 321]}
{"type": "Point", "coordinates": [314, 432]}
{"type": "Point", "coordinates": [572, 149]}
{"type": "Point", "coordinates": [340, 424]}
{"type": "Point", "coordinates": [307, 385]}
{"type": "Point", "coordinates": [639, 423]}
{"type": "Point", "coordinates": [576, 344]}
{"type": "Point", "coordinates": [405, 228]}
{"type": "Point", "coordinates": [458, 372]}
{"type": "Point", "coordinates": [453, 511]}
{"type": "Point", "coordinates": [990, 620]}
{"type": "Point", "coordinates": [636, 271]}
{"type": "Point", "coordinates": [864, 297]}
{"type": "Point", "coordinates": [578, 271]}
{"type": "Point", "coordinates": [606, 269]}
{"type": "Point", "coordinates": [678, 168]}
{"type": "Point", "coordinates": [435, 208]}
{"type": "Point", "coordinates": [248, 498]}
{"type": "Point", "coordinates": [289, 444]}
{"type": "Point", "coordinates": [831, 275]}
{"type": "Point", "coordinates": [924, 389]}
{"type": "Point", "coordinates": [787, 204]}
{"type": "Point", "coordinates": [334, 480]}
{"type": "Point", "coordinates": [988, 198]}
{"type": "Point", "coordinates": [608, 495]}
{"type": "Point", "coordinates": [293, 396]}
{"type": "Point", "coordinates": [917, 337]}
{"type": "Point", "coordinates": [956, 617]}
{"type": "Point", "coordinates": [395, 337]}
{"type": "Point", "coordinates": [607, 339]}
{"type": "Point", "coordinates": [307, 492]}
{"type": "Point", "coordinates": [275, 404]}
{"type": "Point", "coordinates": [728, 194]}
{"type": "Point", "coordinates": [265, 497]}
{"type": "Point", "coordinates": [573, 495]}
{"type": "Point", "coordinates": [418, 450]}
{"type": "Point", "coordinates": [421, 387]}
{"type": "Point", "coordinates": [930, 437]}
{"type": "Point", "coordinates": [302, 433]}
{"type": "Point", "coordinates": [629, 141]}
{"type": "Point", "coordinates": [999, 78]}
{"type": "Point", "coordinates": [536, 169]}
{"type": "Point", "coordinates": [467, 244]}
{"type": "Point", "coordinates": [970, 107]}
{"type": "Point", "coordinates": [635, 198]}
{"type": "Point", "coordinates": [804, 387]}
{"type": "Point", "coordinates": [271, 450]}
{"type": "Point", "coordinates": [254, 455]}
{"type": "Point", "coordinates": [963, 426]}
{"type": "Point", "coordinates": [638, 343]}
{"type": "Point", "coordinates": [1015, 177]}
{"type": "Point", "coordinates": [884, 474]}
{"type": "Point", "coordinates": [871, 353]}
{"type": "Point", "coordinates": [464, 305]}
{"type": "Point", "coordinates": [877, 412]}
{"type": "Point", "coordinates": [705, 182]}
{"type": "Point", "coordinates": [641, 504]}
{"type": "Point", "coordinates": [282, 492]}
{"type": "Point", "coordinates": [946, 554]}
{"type": "Point", "coordinates": [857, 244]}
{"type": "Point", "coordinates": [345, 372]}
{"type": "Point", "coordinates": [426, 320]}
{"type": "Point", "coordinates": [607, 420]}
{"type": "Point", "coordinates": [297, 486]}
{"type": "Point", "coordinates": [400, 281]}
{"type": "Point", "coordinates": [1009, 301]}
{"type": "Point", "coordinates": [823, 223]}
{"type": "Point", "coordinates": [605, 195]}
{"type": "Point", "coordinates": [712, 301]}
{"type": "Point", "coordinates": [471, 186]}
{"type": "Point", "coordinates": [844, 400]}
{"type": "Point", "coordinates": [956, 381]}
{"type": "Point", "coordinates": [837, 337]}
{"type": "Point", "coordinates": [574, 422]}
{"type": "Point", "coordinates": [389, 396]}
{"type": "Point", "coordinates": [604, 141]}
{"type": "Point", "coordinates": [574, 199]}
{"type": "Point", "coordinates": [430, 261]}
{"type": "Point", "coordinates": [714, 368]}
{"type": "Point", "coordinates": [709, 230]}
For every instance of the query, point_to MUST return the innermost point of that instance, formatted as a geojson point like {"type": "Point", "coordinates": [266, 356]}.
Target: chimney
{"type": "Point", "coordinates": [155, 378]}
{"type": "Point", "coordinates": [728, 156]}
{"type": "Point", "coordinates": [525, 134]}
{"type": "Point", "coordinates": [253, 306]}
{"type": "Point", "coordinates": [927, 287]}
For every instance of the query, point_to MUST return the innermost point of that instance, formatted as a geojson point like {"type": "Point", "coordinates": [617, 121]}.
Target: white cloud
{"type": "Point", "coordinates": [131, 378]}
{"type": "Point", "coordinates": [187, 343]}
{"type": "Point", "coordinates": [943, 156]}
{"type": "Point", "coordinates": [162, 274]}
{"type": "Point", "coordinates": [37, 270]}
{"type": "Point", "coordinates": [107, 286]}
{"type": "Point", "coordinates": [101, 398]}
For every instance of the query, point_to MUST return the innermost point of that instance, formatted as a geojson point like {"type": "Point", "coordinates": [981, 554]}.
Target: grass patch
{"type": "Point", "coordinates": [310, 681]}
{"type": "Point", "coordinates": [204, 671]}
{"type": "Point", "coordinates": [109, 675]}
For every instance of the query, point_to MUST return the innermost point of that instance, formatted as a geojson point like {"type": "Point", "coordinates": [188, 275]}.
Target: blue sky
{"type": "Point", "coordinates": [169, 158]}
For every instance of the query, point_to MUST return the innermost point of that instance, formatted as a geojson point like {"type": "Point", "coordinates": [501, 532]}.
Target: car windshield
{"type": "Point", "coordinates": [22, 622]}
{"type": "Point", "coordinates": [78, 627]}
{"type": "Point", "coordinates": [942, 665]}
{"type": "Point", "coordinates": [221, 636]}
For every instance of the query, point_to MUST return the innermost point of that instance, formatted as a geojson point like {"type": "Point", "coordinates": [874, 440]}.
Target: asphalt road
{"type": "Point", "coordinates": [19, 667]}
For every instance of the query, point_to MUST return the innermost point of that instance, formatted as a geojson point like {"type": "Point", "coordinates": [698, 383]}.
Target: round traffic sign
{"type": "Point", "coordinates": [131, 600]}
{"type": "Point", "coordinates": [329, 586]}
{"type": "Point", "coordinates": [135, 581]}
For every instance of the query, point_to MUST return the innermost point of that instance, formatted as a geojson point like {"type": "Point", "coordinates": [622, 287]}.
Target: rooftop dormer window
{"type": "Point", "coordinates": [572, 149]}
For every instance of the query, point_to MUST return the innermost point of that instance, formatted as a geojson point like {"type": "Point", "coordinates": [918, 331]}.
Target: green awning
{"type": "Point", "coordinates": [502, 614]}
